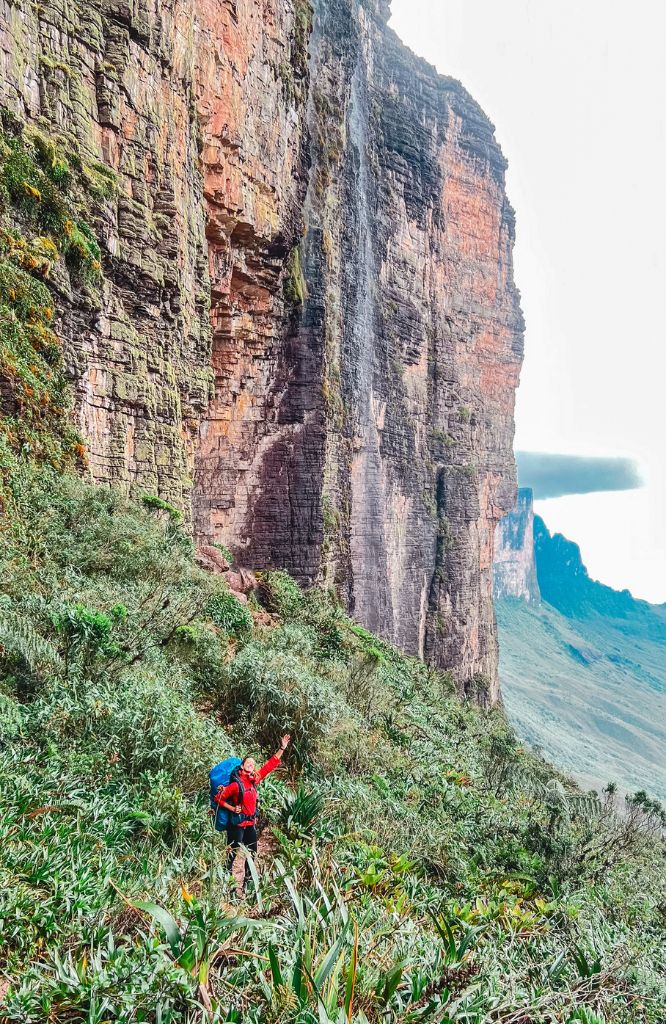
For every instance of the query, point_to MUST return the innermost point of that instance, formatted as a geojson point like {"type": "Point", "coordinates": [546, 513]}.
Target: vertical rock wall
{"type": "Point", "coordinates": [252, 78]}
{"type": "Point", "coordinates": [343, 209]}
{"type": "Point", "coordinates": [376, 452]}
{"type": "Point", "coordinates": [112, 82]}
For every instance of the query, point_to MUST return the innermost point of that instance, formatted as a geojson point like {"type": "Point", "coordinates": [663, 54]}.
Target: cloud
{"type": "Point", "coordinates": [553, 476]}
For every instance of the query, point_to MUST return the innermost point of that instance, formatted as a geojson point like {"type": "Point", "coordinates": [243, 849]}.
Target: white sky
{"type": "Point", "coordinates": [577, 91]}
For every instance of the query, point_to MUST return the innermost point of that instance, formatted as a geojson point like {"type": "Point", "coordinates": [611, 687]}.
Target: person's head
{"type": "Point", "coordinates": [249, 767]}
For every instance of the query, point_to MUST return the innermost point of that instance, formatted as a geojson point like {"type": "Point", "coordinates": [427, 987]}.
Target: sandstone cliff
{"type": "Point", "coordinates": [113, 82]}
{"type": "Point", "coordinates": [350, 414]}
{"type": "Point", "coordinates": [515, 571]}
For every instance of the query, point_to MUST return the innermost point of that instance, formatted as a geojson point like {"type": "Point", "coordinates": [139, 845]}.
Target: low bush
{"type": "Point", "coordinates": [227, 612]}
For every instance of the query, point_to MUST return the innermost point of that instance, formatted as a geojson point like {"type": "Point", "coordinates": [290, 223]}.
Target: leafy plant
{"type": "Point", "coordinates": [227, 612]}
{"type": "Point", "coordinates": [302, 810]}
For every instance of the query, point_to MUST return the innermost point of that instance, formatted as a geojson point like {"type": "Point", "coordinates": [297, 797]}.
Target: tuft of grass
{"type": "Point", "coordinates": [294, 286]}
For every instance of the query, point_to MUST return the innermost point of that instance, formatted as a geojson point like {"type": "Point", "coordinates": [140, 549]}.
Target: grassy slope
{"type": "Point", "coordinates": [591, 692]}
{"type": "Point", "coordinates": [447, 873]}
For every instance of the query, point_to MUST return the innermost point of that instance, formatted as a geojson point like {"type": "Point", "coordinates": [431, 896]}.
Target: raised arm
{"type": "Point", "coordinates": [274, 761]}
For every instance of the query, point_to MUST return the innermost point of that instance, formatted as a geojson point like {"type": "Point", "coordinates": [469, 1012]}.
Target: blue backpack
{"type": "Point", "coordinates": [220, 776]}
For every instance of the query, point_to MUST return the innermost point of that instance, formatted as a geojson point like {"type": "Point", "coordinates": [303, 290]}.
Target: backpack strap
{"type": "Point", "coordinates": [235, 777]}
{"type": "Point", "coordinates": [237, 819]}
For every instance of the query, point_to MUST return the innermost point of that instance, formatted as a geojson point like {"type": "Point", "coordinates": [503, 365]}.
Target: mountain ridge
{"type": "Point", "coordinates": [583, 667]}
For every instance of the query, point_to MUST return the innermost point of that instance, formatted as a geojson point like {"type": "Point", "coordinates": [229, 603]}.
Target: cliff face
{"type": "Point", "coordinates": [366, 331]}
{"type": "Point", "coordinates": [366, 433]}
{"type": "Point", "coordinates": [515, 571]}
{"type": "Point", "coordinates": [252, 84]}
{"type": "Point", "coordinates": [113, 82]}
{"type": "Point", "coordinates": [567, 586]}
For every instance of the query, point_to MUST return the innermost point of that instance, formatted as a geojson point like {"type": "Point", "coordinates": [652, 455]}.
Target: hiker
{"type": "Point", "coordinates": [239, 799]}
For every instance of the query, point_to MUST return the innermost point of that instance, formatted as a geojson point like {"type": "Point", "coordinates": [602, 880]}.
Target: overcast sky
{"type": "Point", "coordinates": [577, 92]}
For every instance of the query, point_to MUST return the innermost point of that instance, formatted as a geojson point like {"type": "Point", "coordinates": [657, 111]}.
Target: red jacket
{"type": "Point", "coordinates": [231, 794]}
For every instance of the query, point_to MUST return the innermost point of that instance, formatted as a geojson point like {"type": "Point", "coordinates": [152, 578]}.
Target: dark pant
{"type": "Point", "coordinates": [237, 834]}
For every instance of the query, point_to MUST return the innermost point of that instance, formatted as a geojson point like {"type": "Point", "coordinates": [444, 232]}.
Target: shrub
{"type": "Point", "coordinates": [155, 504]}
{"type": "Point", "coordinates": [86, 631]}
{"type": "Point", "coordinates": [270, 691]}
{"type": "Point", "coordinates": [229, 614]}
{"type": "Point", "coordinates": [280, 593]}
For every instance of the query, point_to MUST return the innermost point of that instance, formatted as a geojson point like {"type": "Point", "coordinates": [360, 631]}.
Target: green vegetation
{"type": "Point", "coordinates": [442, 437]}
{"type": "Point", "coordinates": [156, 504]}
{"type": "Point", "coordinates": [422, 866]}
{"type": "Point", "coordinates": [229, 614]}
{"type": "Point", "coordinates": [301, 38]}
{"type": "Point", "coordinates": [34, 397]}
{"type": "Point", "coordinates": [225, 552]}
{"type": "Point", "coordinates": [41, 230]}
{"type": "Point", "coordinates": [557, 672]}
{"type": "Point", "coordinates": [294, 287]}
{"type": "Point", "coordinates": [43, 188]}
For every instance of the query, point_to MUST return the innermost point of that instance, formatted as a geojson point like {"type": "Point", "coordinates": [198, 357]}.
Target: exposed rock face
{"type": "Point", "coordinates": [367, 436]}
{"type": "Point", "coordinates": [252, 81]}
{"type": "Point", "coordinates": [114, 82]}
{"type": "Point", "coordinates": [367, 334]}
{"type": "Point", "coordinates": [515, 571]}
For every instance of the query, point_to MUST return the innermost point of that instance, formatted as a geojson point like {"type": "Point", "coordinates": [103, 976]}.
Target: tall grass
{"type": "Point", "coordinates": [417, 864]}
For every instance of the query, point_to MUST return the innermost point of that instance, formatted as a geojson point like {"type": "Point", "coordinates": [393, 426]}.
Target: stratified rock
{"type": "Point", "coordinates": [366, 331]}
{"type": "Point", "coordinates": [515, 571]}
{"type": "Point", "coordinates": [363, 422]}
{"type": "Point", "coordinates": [113, 82]}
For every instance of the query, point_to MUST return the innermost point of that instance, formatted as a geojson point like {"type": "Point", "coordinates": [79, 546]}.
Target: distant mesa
{"type": "Point", "coordinates": [533, 565]}
{"type": "Point", "coordinates": [552, 476]}
{"type": "Point", "coordinates": [582, 666]}
{"type": "Point", "coordinates": [514, 570]}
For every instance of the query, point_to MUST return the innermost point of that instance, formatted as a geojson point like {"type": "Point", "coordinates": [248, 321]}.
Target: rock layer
{"type": "Point", "coordinates": [377, 450]}
{"type": "Point", "coordinates": [366, 331]}
{"type": "Point", "coordinates": [112, 82]}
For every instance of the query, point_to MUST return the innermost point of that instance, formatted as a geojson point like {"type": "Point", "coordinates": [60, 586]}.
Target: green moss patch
{"type": "Point", "coordinates": [42, 224]}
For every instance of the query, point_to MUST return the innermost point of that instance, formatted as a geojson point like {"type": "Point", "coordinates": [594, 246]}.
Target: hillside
{"type": "Point", "coordinates": [427, 869]}
{"type": "Point", "coordinates": [299, 324]}
{"type": "Point", "coordinates": [583, 669]}
{"type": "Point", "coordinates": [591, 695]}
